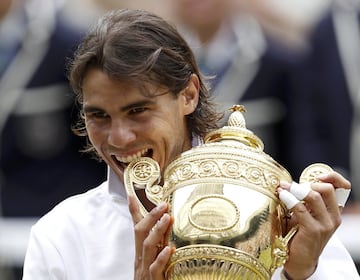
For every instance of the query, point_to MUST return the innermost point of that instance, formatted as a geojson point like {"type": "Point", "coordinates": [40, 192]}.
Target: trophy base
{"type": "Point", "coordinates": [214, 262]}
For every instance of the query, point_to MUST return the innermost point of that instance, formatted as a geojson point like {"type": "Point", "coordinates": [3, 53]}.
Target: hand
{"type": "Point", "coordinates": [318, 218]}
{"type": "Point", "coordinates": [152, 254]}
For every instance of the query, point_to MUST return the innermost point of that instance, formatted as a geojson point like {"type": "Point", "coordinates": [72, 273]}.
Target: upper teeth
{"type": "Point", "coordinates": [129, 158]}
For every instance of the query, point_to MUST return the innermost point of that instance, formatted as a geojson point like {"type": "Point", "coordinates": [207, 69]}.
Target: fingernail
{"type": "Point", "coordinates": [322, 176]}
{"type": "Point", "coordinates": [285, 185]}
{"type": "Point", "coordinates": [162, 205]}
{"type": "Point", "coordinates": [165, 250]}
{"type": "Point", "coordinates": [164, 219]}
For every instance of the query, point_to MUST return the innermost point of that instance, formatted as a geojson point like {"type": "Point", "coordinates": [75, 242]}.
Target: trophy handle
{"type": "Point", "coordinates": [143, 173]}
{"type": "Point", "coordinates": [281, 250]}
{"type": "Point", "coordinates": [311, 172]}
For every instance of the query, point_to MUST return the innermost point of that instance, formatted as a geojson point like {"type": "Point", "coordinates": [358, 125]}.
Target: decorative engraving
{"type": "Point", "coordinates": [144, 170]}
{"type": "Point", "coordinates": [186, 171]}
{"type": "Point", "coordinates": [220, 263]}
{"type": "Point", "coordinates": [252, 173]}
{"type": "Point", "coordinates": [232, 169]}
{"type": "Point", "coordinates": [208, 168]}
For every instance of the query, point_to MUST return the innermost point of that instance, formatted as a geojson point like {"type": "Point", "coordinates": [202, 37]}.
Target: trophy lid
{"type": "Point", "coordinates": [236, 131]}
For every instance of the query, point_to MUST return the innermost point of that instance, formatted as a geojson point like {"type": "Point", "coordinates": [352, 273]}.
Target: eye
{"type": "Point", "coordinates": [97, 115]}
{"type": "Point", "coordinates": [137, 110]}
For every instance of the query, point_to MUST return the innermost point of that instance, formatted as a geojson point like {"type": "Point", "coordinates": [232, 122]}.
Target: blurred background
{"type": "Point", "coordinates": [294, 65]}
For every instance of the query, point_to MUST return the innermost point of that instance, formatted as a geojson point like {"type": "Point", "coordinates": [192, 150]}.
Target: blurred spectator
{"type": "Point", "coordinates": [251, 66]}
{"type": "Point", "coordinates": [40, 162]}
{"type": "Point", "coordinates": [83, 13]}
{"type": "Point", "coordinates": [289, 21]}
{"type": "Point", "coordinates": [325, 106]}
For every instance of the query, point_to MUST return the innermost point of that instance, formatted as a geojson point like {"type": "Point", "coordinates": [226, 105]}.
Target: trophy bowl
{"type": "Point", "coordinates": [228, 219]}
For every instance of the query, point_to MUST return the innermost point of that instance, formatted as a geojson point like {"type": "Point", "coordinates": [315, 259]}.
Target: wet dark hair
{"type": "Point", "coordinates": [139, 47]}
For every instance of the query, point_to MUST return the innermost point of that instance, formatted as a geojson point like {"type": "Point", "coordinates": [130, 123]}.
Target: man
{"type": "Point", "coordinates": [142, 94]}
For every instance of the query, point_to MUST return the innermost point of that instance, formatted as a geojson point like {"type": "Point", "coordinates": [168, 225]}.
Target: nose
{"type": "Point", "coordinates": [121, 134]}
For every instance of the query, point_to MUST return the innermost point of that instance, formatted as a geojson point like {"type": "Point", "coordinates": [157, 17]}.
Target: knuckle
{"type": "Point", "coordinates": [337, 221]}
{"type": "Point", "coordinates": [328, 188]}
{"type": "Point", "coordinates": [346, 184]}
{"type": "Point", "coordinates": [137, 229]}
{"type": "Point", "coordinates": [332, 224]}
{"type": "Point", "coordinates": [147, 244]}
{"type": "Point", "coordinates": [315, 196]}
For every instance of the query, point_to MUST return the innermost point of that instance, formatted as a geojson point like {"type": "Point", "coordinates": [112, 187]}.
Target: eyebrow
{"type": "Point", "coordinates": [91, 109]}
{"type": "Point", "coordinates": [138, 104]}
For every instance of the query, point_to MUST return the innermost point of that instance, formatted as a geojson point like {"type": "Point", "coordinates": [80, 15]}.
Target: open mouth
{"type": "Point", "coordinates": [123, 161]}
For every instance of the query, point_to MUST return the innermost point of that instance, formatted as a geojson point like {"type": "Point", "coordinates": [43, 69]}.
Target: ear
{"type": "Point", "coordinates": [190, 95]}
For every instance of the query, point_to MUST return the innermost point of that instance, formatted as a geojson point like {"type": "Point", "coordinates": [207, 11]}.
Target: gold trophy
{"type": "Point", "coordinates": [228, 219]}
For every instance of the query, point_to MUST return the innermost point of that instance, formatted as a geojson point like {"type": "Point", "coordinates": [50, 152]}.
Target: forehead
{"type": "Point", "coordinates": [98, 86]}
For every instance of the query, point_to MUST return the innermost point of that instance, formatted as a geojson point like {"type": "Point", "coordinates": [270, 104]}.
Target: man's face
{"type": "Point", "coordinates": [199, 14]}
{"type": "Point", "coordinates": [123, 123]}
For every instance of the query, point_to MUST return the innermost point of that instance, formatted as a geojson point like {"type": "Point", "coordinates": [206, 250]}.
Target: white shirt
{"type": "Point", "coordinates": [90, 236]}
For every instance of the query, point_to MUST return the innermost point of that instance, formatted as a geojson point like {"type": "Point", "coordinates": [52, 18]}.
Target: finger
{"type": "Point", "coordinates": [150, 220]}
{"type": "Point", "coordinates": [336, 179]}
{"type": "Point", "coordinates": [313, 200]}
{"type": "Point", "coordinates": [158, 267]}
{"type": "Point", "coordinates": [326, 199]}
{"type": "Point", "coordinates": [301, 213]}
{"type": "Point", "coordinates": [342, 186]}
{"type": "Point", "coordinates": [134, 209]}
{"type": "Point", "coordinates": [144, 227]}
{"type": "Point", "coordinates": [342, 196]}
{"type": "Point", "coordinates": [288, 198]}
{"type": "Point", "coordinates": [168, 232]}
{"type": "Point", "coordinates": [136, 217]}
{"type": "Point", "coordinates": [300, 191]}
{"type": "Point", "coordinates": [319, 198]}
{"type": "Point", "coordinates": [155, 240]}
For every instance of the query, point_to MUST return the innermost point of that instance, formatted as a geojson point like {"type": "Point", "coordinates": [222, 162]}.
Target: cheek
{"type": "Point", "coordinates": [95, 134]}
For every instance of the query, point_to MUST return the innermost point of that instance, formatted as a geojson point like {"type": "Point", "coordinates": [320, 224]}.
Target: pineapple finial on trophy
{"type": "Point", "coordinates": [235, 132]}
{"type": "Point", "coordinates": [237, 118]}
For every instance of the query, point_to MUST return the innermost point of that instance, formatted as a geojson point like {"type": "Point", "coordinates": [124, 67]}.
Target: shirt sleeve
{"type": "Point", "coordinates": [335, 263]}
{"type": "Point", "coordinates": [42, 260]}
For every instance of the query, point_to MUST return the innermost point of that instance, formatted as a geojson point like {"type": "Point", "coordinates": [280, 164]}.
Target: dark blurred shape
{"type": "Point", "coordinates": [40, 159]}
{"type": "Point", "coordinates": [325, 103]}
